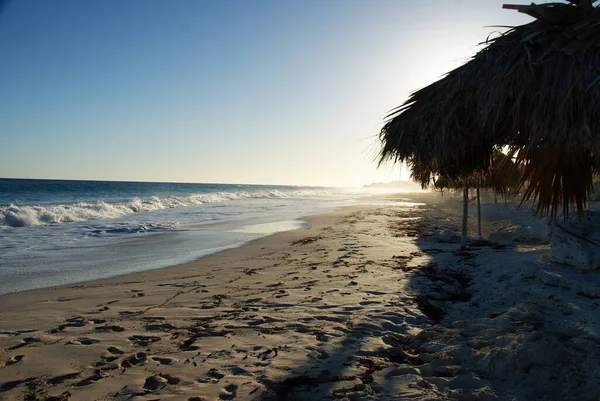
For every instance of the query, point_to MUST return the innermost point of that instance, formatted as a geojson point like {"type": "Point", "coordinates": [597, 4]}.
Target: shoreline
{"type": "Point", "coordinates": [226, 248]}
{"type": "Point", "coordinates": [242, 250]}
{"type": "Point", "coordinates": [211, 251]}
{"type": "Point", "coordinates": [93, 239]}
{"type": "Point", "coordinates": [368, 302]}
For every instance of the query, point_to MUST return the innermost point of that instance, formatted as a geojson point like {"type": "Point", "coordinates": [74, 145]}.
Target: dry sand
{"type": "Point", "coordinates": [366, 303]}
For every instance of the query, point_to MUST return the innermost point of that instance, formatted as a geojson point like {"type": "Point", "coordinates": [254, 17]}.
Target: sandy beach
{"type": "Point", "coordinates": [371, 302]}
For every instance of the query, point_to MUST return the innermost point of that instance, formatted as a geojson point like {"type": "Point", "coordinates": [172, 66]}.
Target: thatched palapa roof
{"type": "Point", "coordinates": [503, 173]}
{"type": "Point", "coordinates": [535, 88]}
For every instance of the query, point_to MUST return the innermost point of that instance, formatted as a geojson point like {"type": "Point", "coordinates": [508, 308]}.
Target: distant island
{"type": "Point", "coordinates": [400, 185]}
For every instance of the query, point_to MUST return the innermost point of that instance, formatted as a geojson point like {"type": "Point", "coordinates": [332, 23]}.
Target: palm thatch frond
{"type": "Point", "coordinates": [535, 88]}
{"type": "Point", "coordinates": [443, 182]}
{"type": "Point", "coordinates": [565, 171]}
{"type": "Point", "coordinates": [504, 173]}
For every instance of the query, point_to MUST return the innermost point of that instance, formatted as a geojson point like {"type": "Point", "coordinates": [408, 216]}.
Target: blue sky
{"type": "Point", "coordinates": [247, 91]}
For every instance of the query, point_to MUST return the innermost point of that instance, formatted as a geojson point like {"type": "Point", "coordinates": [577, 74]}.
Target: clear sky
{"type": "Point", "coordinates": [231, 91]}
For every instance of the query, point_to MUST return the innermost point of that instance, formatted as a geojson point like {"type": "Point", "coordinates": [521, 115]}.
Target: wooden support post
{"type": "Point", "coordinates": [463, 239]}
{"type": "Point", "coordinates": [478, 211]}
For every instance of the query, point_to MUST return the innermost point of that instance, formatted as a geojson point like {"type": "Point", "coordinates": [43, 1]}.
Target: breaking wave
{"type": "Point", "coordinates": [42, 214]}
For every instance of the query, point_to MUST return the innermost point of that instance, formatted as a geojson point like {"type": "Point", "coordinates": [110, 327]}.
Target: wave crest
{"type": "Point", "coordinates": [35, 215]}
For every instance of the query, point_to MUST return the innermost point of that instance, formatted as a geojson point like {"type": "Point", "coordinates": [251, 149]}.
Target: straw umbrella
{"type": "Point", "coordinates": [535, 89]}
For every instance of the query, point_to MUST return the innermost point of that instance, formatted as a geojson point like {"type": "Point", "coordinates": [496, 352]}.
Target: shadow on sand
{"type": "Point", "coordinates": [435, 339]}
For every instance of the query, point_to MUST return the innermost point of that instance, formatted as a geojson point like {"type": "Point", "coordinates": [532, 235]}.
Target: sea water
{"type": "Point", "coordinates": [55, 232]}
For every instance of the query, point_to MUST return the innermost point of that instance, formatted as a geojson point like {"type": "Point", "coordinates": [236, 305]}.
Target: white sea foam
{"type": "Point", "coordinates": [41, 214]}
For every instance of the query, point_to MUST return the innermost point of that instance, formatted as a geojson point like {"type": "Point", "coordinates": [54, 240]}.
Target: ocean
{"type": "Point", "coordinates": [55, 232]}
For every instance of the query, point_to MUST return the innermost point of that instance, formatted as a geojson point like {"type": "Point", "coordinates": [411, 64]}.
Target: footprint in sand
{"type": "Point", "coordinates": [111, 355]}
{"type": "Point", "coordinates": [343, 313]}
{"type": "Point", "coordinates": [17, 333]}
{"type": "Point", "coordinates": [253, 300]}
{"type": "Point", "coordinates": [212, 376]}
{"type": "Point", "coordinates": [59, 379]}
{"type": "Point", "coordinates": [115, 351]}
{"type": "Point", "coordinates": [90, 379]}
{"type": "Point", "coordinates": [12, 360]}
{"type": "Point", "coordinates": [66, 299]}
{"type": "Point", "coordinates": [159, 381]}
{"type": "Point", "coordinates": [325, 307]}
{"type": "Point", "coordinates": [281, 294]}
{"type": "Point", "coordinates": [268, 354]}
{"type": "Point", "coordinates": [265, 320]}
{"type": "Point", "coordinates": [75, 322]}
{"type": "Point", "coordinates": [24, 342]}
{"type": "Point", "coordinates": [138, 359]}
{"type": "Point", "coordinates": [237, 371]}
{"type": "Point", "coordinates": [317, 353]}
{"type": "Point", "coordinates": [105, 360]}
{"type": "Point", "coordinates": [12, 384]}
{"type": "Point", "coordinates": [160, 327]}
{"type": "Point", "coordinates": [229, 392]}
{"type": "Point", "coordinates": [187, 345]}
{"type": "Point", "coordinates": [116, 329]}
{"type": "Point", "coordinates": [164, 360]}
{"type": "Point", "coordinates": [142, 341]}
{"type": "Point", "coordinates": [82, 341]}
{"type": "Point", "coordinates": [104, 306]}
{"type": "Point", "coordinates": [215, 374]}
{"type": "Point", "coordinates": [365, 303]}
{"type": "Point", "coordinates": [376, 292]}
{"type": "Point", "coordinates": [327, 318]}
{"type": "Point", "coordinates": [152, 318]}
